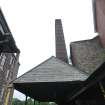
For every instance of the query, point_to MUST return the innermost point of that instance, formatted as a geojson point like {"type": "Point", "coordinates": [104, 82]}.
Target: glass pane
{"type": "Point", "coordinates": [1, 29]}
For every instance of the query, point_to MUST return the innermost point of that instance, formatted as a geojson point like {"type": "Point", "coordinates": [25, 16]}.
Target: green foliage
{"type": "Point", "coordinates": [16, 101]}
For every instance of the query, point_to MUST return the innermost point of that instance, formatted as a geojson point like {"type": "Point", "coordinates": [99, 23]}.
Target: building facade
{"type": "Point", "coordinates": [9, 62]}
{"type": "Point", "coordinates": [88, 55]}
{"type": "Point", "coordinates": [8, 72]}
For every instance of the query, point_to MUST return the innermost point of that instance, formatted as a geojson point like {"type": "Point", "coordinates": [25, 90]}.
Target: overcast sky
{"type": "Point", "coordinates": [32, 25]}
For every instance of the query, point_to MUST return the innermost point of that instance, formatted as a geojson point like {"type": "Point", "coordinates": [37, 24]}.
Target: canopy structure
{"type": "Point", "coordinates": [93, 88]}
{"type": "Point", "coordinates": [52, 80]}
{"type": "Point", "coordinates": [7, 42]}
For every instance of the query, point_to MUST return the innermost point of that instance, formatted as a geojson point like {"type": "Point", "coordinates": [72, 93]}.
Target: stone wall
{"type": "Point", "coordinates": [87, 55]}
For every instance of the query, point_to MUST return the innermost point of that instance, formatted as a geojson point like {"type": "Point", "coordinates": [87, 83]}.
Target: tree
{"type": "Point", "coordinates": [16, 101]}
{"type": "Point", "coordinates": [30, 101]}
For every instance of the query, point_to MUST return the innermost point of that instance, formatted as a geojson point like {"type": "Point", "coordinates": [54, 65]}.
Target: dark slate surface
{"type": "Point", "coordinates": [52, 70]}
{"type": "Point", "coordinates": [87, 55]}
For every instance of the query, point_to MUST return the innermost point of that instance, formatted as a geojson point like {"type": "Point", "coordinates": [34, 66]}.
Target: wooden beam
{"type": "Point", "coordinates": [34, 101]}
{"type": "Point", "coordinates": [26, 100]}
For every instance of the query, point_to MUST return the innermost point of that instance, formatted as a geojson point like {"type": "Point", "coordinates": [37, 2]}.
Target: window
{"type": "Point", "coordinates": [2, 92]}
{"type": "Point", "coordinates": [3, 58]}
{"type": "Point", "coordinates": [11, 59]}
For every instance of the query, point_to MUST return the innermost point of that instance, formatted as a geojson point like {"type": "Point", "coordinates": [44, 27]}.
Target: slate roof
{"type": "Point", "coordinates": [52, 70]}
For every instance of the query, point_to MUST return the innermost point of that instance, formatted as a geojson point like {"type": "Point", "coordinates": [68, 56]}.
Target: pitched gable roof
{"type": "Point", "coordinates": [52, 70]}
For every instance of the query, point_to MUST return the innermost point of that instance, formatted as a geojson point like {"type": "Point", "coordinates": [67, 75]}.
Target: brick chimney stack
{"type": "Point", "coordinates": [61, 51]}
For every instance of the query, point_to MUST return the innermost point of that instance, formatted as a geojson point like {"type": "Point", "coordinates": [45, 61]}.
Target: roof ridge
{"type": "Point", "coordinates": [72, 66]}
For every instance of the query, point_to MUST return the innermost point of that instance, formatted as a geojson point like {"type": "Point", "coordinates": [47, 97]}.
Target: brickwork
{"type": "Point", "coordinates": [61, 52]}
{"type": "Point", "coordinates": [87, 55]}
{"type": "Point", "coordinates": [99, 18]}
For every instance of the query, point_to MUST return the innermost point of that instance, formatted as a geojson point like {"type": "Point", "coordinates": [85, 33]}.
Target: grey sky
{"type": "Point", "coordinates": [32, 25]}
